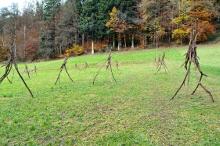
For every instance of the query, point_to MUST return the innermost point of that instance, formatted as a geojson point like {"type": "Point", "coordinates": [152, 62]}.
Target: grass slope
{"type": "Point", "coordinates": [136, 111]}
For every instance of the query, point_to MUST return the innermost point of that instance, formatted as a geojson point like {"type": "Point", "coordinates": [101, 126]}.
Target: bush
{"type": "Point", "coordinates": [75, 50]}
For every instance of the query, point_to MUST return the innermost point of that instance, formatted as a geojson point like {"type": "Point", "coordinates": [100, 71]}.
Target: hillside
{"type": "Point", "coordinates": [135, 111]}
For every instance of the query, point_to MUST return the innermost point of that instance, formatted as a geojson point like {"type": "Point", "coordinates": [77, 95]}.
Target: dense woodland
{"type": "Point", "coordinates": [51, 29]}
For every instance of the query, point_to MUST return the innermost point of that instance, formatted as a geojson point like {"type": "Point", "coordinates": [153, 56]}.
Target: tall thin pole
{"type": "Point", "coordinates": [3, 39]}
{"type": "Point", "coordinates": [24, 41]}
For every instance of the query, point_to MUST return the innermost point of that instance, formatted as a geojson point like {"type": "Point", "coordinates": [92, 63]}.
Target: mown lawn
{"type": "Point", "coordinates": [135, 111]}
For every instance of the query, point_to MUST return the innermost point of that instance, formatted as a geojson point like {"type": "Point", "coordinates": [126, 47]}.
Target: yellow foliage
{"type": "Point", "coordinates": [74, 50]}
{"type": "Point", "coordinates": [180, 19]}
{"type": "Point", "coordinates": [115, 23]}
{"type": "Point", "coordinates": [180, 33]}
{"type": "Point", "coordinates": [113, 18]}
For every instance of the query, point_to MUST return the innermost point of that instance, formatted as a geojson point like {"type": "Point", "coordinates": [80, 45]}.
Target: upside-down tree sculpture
{"type": "Point", "coordinates": [11, 62]}
{"type": "Point", "coordinates": [192, 58]}
{"type": "Point", "coordinates": [63, 67]}
{"type": "Point", "coordinates": [160, 62]}
{"type": "Point", "coordinates": [108, 66]}
{"type": "Point", "coordinates": [9, 65]}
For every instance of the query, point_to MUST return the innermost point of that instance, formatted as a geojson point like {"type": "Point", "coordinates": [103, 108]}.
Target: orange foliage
{"type": "Point", "coordinates": [204, 18]}
{"type": "Point", "coordinates": [205, 29]}
{"type": "Point", "coordinates": [201, 14]}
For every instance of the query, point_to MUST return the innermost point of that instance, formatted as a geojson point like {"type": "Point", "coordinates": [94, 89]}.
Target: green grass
{"type": "Point", "coordinates": [135, 111]}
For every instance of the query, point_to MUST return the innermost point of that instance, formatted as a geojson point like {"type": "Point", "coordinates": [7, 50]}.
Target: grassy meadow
{"type": "Point", "coordinates": [135, 111]}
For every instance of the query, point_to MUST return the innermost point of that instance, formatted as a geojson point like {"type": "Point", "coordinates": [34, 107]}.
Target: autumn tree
{"type": "Point", "coordinates": [117, 24]}
{"type": "Point", "coordinates": [157, 16]}
{"type": "Point", "coordinates": [68, 25]}
{"type": "Point", "coordinates": [190, 11]}
{"type": "Point", "coordinates": [27, 21]}
{"type": "Point", "coordinates": [3, 19]}
{"type": "Point", "coordinates": [11, 28]}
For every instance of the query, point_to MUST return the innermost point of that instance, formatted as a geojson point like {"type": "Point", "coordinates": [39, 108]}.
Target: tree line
{"type": "Point", "coordinates": [50, 28]}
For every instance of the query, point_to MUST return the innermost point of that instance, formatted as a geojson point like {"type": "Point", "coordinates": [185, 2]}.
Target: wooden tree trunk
{"type": "Point", "coordinates": [24, 42]}
{"type": "Point", "coordinates": [3, 44]}
{"type": "Point", "coordinates": [113, 41]}
{"type": "Point", "coordinates": [125, 41]}
{"type": "Point", "coordinates": [145, 41]}
{"type": "Point", "coordinates": [60, 50]}
{"type": "Point", "coordinates": [83, 39]}
{"type": "Point", "coordinates": [156, 39]}
{"type": "Point", "coordinates": [92, 48]}
{"type": "Point", "coordinates": [119, 41]}
{"type": "Point", "coordinates": [132, 41]}
{"type": "Point", "coordinates": [76, 38]}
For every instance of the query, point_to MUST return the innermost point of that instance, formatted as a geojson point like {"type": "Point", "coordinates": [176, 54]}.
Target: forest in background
{"type": "Point", "coordinates": [51, 29]}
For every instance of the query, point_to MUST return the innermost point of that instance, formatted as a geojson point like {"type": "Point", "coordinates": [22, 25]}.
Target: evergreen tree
{"type": "Point", "coordinates": [131, 15]}
{"type": "Point", "coordinates": [47, 38]}
{"type": "Point", "coordinates": [39, 11]}
{"type": "Point", "coordinates": [88, 20]}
